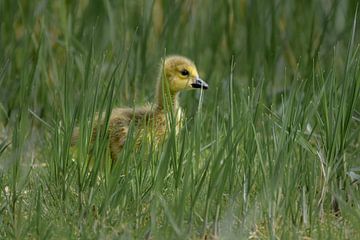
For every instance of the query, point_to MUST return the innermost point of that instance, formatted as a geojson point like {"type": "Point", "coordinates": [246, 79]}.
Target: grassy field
{"type": "Point", "coordinates": [270, 151]}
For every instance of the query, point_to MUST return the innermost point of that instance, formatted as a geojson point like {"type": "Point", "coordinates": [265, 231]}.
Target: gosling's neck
{"type": "Point", "coordinates": [166, 100]}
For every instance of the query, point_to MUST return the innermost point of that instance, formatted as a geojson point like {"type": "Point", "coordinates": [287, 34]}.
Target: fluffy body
{"type": "Point", "coordinates": [153, 121]}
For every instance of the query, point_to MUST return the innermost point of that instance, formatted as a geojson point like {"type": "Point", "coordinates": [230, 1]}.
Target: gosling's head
{"type": "Point", "coordinates": [181, 74]}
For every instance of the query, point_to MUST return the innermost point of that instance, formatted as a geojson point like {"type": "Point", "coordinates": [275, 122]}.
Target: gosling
{"type": "Point", "coordinates": [176, 74]}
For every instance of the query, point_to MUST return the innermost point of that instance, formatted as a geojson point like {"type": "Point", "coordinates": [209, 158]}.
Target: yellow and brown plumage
{"type": "Point", "coordinates": [176, 74]}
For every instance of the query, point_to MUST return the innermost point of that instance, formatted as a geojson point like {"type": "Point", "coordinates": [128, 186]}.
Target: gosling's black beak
{"type": "Point", "coordinates": [199, 83]}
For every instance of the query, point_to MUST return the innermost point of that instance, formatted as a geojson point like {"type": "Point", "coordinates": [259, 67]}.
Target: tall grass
{"type": "Point", "coordinates": [269, 151]}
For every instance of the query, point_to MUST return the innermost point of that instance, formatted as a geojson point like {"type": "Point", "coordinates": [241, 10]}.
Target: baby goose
{"type": "Point", "coordinates": [176, 74]}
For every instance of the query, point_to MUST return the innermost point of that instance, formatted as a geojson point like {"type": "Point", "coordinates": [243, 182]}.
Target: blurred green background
{"type": "Point", "coordinates": [268, 40]}
{"type": "Point", "coordinates": [269, 151]}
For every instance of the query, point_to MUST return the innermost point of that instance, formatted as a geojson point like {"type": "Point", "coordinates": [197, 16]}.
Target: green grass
{"type": "Point", "coordinates": [270, 151]}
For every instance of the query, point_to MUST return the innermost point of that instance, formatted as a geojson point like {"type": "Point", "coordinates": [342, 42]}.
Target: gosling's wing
{"type": "Point", "coordinates": [98, 124]}
{"type": "Point", "coordinates": [118, 131]}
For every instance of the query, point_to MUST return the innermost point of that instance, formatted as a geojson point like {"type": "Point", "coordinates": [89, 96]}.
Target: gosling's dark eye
{"type": "Point", "coordinates": [184, 72]}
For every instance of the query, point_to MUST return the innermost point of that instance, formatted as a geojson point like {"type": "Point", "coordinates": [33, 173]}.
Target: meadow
{"type": "Point", "coordinates": [269, 151]}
